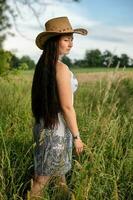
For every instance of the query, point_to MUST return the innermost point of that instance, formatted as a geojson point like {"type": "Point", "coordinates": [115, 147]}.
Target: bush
{"type": "Point", "coordinates": [5, 58]}
{"type": "Point", "coordinates": [23, 66]}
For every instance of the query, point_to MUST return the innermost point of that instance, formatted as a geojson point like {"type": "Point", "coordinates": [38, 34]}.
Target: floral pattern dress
{"type": "Point", "coordinates": [53, 147]}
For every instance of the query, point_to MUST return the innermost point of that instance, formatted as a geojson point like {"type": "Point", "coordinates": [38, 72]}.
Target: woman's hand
{"type": "Point", "coordinates": [78, 145]}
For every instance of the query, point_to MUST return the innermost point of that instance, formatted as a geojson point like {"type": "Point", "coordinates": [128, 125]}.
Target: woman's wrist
{"type": "Point", "coordinates": [76, 136]}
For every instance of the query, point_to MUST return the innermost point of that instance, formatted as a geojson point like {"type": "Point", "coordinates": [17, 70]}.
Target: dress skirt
{"type": "Point", "coordinates": [53, 149]}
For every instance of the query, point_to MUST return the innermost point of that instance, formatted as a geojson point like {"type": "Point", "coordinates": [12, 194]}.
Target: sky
{"type": "Point", "coordinates": [109, 24]}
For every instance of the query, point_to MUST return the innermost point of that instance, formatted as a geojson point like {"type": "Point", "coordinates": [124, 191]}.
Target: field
{"type": "Point", "coordinates": [103, 104]}
{"type": "Point", "coordinates": [90, 74]}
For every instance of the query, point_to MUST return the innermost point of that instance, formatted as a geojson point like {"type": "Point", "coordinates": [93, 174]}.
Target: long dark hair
{"type": "Point", "coordinates": [44, 94]}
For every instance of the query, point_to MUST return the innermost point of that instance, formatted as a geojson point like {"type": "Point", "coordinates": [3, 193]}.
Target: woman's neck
{"type": "Point", "coordinates": [60, 57]}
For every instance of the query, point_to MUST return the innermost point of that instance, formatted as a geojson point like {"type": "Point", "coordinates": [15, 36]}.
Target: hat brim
{"type": "Point", "coordinates": [44, 36]}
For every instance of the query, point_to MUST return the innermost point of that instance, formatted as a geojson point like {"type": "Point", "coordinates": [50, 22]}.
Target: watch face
{"type": "Point", "coordinates": [75, 137]}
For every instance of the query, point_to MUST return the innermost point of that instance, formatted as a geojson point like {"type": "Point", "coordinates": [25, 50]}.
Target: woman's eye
{"type": "Point", "coordinates": [68, 39]}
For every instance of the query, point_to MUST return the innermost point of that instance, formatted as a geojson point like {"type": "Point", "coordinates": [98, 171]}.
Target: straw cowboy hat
{"type": "Point", "coordinates": [57, 26]}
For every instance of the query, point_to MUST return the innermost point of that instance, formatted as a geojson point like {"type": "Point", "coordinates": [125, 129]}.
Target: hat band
{"type": "Point", "coordinates": [59, 30]}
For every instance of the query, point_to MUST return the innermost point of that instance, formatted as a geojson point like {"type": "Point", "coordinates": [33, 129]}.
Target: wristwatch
{"type": "Point", "coordinates": [76, 137]}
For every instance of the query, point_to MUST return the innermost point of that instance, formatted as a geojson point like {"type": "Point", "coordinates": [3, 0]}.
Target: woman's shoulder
{"type": "Point", "coordinates": [60, 66]}
{"type": "Point", "coordinates": [62, 69]}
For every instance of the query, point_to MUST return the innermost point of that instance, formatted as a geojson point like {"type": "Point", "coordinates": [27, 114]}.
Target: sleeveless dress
{"type": "Point", "coordinates": [53, 147]}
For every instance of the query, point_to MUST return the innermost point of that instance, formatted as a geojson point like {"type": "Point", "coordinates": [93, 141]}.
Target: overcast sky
{"type": "Point", "coordinates": [109, 24]}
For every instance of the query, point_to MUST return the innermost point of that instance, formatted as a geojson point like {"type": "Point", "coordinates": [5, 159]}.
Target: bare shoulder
{"type": "Point", "coordinates": [62, 70]}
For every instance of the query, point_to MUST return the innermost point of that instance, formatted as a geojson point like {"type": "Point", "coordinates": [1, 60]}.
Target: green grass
{"type": "Point", "coordinates": [99, 69]}
{"type": "Point", "coordinates": [105, 119]}
{"type": "Point", "coordinates": [83, 70]}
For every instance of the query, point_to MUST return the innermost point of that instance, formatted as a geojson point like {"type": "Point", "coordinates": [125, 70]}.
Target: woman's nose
{"type": "Point", "coordinates": [70, 44]}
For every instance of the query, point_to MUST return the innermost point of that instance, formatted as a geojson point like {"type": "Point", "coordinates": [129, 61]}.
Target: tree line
{"type": "Point", "coordinates": [93, 58]}
{"type": "Point", "coordinates": [9, 61]}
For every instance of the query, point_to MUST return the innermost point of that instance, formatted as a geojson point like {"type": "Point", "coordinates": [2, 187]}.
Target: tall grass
{"type": "Point", "coordinates": [15, 137]}
{"type": "Point", "coordinates": [105, 118]}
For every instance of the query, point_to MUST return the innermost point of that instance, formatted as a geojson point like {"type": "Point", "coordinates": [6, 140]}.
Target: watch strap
{"type": "Point", "coordinates": [76, 137]}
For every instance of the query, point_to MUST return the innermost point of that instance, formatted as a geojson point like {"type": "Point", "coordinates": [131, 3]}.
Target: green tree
{"type": "Point", "coordinates": [107, 58]}
{"type": "Point", "coordinates": [23, 66]}
{"type": "Point", "coordinates": [5, 59]}
{"type": "Point", "coordinates": [116, 61]}
{"type": "Point", "coordinates": [67, 61]}
{"type": "Point", "coordinates": [15, 62]}
{"type": "Point", "coordinates": [93, 58]}
{"type": "Point", "coordinates": [80, 63]}
{"type": "Point", "coordinates": [28, 61]}
{"type": "Point", "coordinates": [130, 62]}
{"type": "Point", "coordinates": [4, 20]}
{"type": "Point", "coordinates": [124, 60]}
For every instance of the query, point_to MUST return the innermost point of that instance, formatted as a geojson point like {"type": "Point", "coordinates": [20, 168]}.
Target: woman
{"type": "Point", "coordinates": [53, 86]}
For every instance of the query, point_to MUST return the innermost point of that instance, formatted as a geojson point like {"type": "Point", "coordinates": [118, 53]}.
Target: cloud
{"type": "Point", "coordinates": [126, 29]}
{"type": "Point", "coordinates": [112, 34]}
{"type": "Point", "coordinates": [107, 38]}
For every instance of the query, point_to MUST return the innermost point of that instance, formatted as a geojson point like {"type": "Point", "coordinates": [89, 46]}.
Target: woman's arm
{"type": "Point", "coordinates": [63, 77]}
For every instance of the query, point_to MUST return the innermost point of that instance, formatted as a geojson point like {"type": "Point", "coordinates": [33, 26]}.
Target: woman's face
{"type": "Point", "coordinates": [65, 44]}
